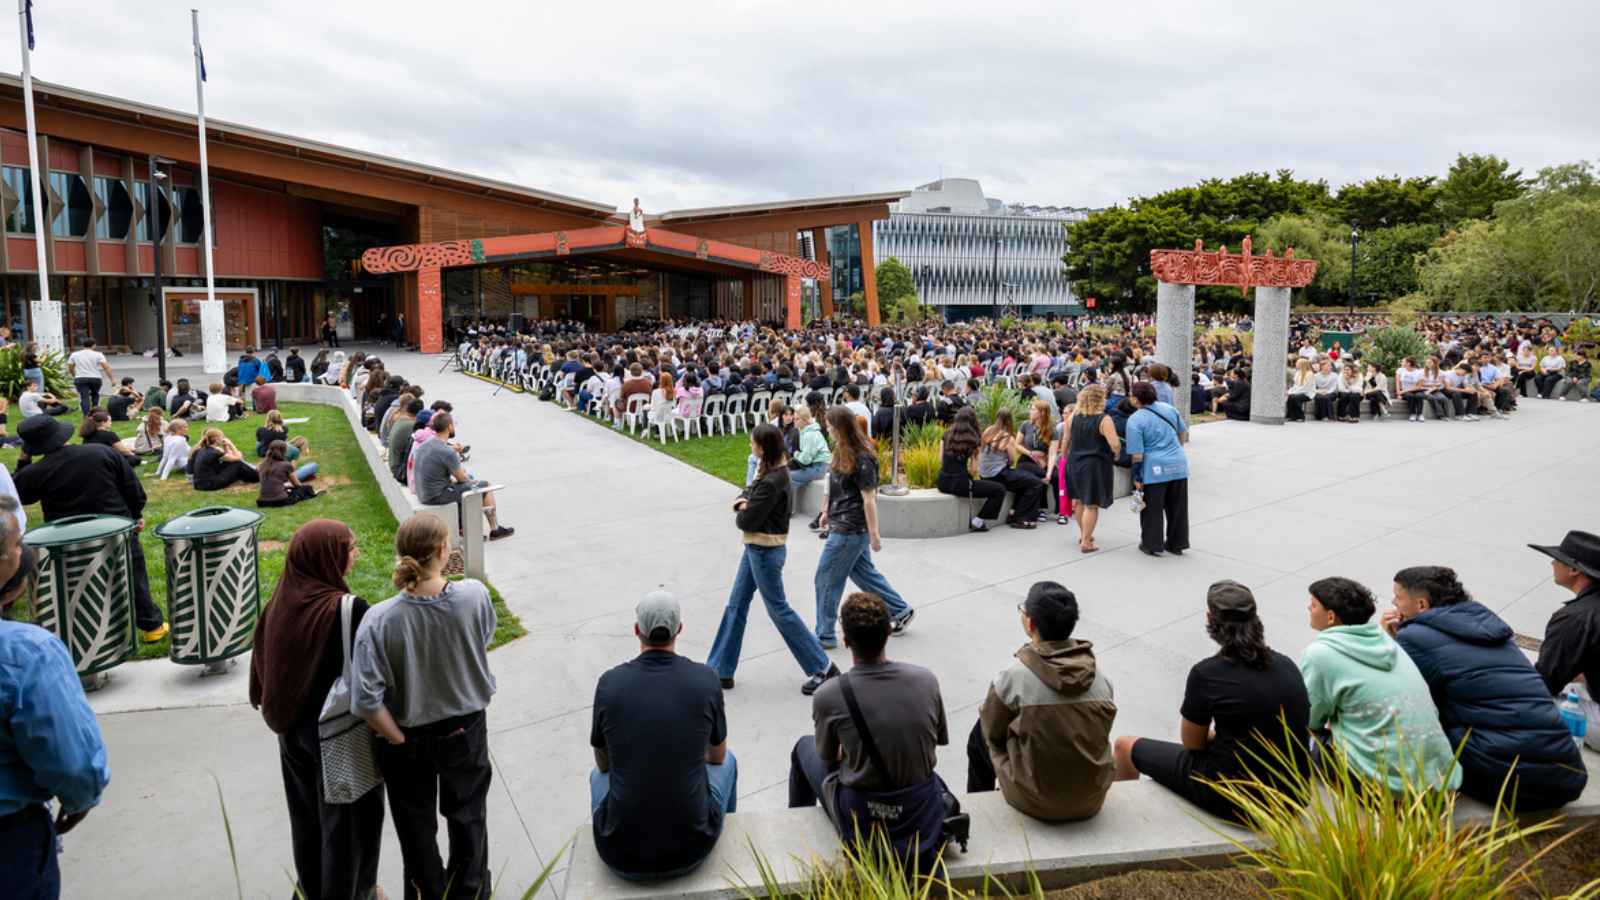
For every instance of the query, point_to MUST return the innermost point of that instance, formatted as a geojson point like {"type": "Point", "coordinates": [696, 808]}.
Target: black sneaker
{"type": "Point", "coordinates": [823, 534]}
{"type": "Point", "coordinates": [502, 532]}
{"type": "Point", "coordinates": [816, 523]}
{"type": "Point", "coordinates": [902, 623]}
{"type": "Point", "coordinates": [815, 681]}
{"type": "Point", "coordinates": [727, 684]}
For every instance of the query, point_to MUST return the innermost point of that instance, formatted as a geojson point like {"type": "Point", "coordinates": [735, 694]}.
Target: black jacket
{"type": "Point", "coordinates": [883, 422]}
{"type": "Point", "coordinates": [917, 413]}
{"type": "Point", "coordinates": [80, 479]}
{"type": "Point", "coordinates": [1572, 643]}
{"type": "Point", "coordinates": [765, 513]}
{"type": "Point", "coordinates": [295, 365]}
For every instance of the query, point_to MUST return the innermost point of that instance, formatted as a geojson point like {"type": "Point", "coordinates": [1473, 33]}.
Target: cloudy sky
{"type": "Point", "coordinates": [686, 103]}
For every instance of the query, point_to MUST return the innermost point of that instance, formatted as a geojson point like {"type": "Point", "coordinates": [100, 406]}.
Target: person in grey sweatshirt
{"type": "Point", "coordinates": [420, 676]}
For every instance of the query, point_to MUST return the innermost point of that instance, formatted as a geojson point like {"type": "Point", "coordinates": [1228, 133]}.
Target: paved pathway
{"type": "Point", "coordinates": [601, 520]}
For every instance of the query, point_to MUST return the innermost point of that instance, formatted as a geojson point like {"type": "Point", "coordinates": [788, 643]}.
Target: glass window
{"type": "Point", "coordinates": [21, 220]}
{"type": "Point", "coordinates": [77, 208]}
{"type": "Point", "coordinates": [113, 223]}
{"type": "Point", "coordinates": [191, 216]}
{"type": "Point", "coordinates": [164, 214]}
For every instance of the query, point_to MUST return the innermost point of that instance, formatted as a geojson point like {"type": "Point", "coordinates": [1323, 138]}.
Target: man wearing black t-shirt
{"type": "Point", "coordinates": [663, 779]}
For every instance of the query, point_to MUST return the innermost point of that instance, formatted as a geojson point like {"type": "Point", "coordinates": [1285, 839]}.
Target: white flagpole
{"type": "Point", "coordinates": [214, 356]}
{"type": "Point", "coordinates": [52, 327]}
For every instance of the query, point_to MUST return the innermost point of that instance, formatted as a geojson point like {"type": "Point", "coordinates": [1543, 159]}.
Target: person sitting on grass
{"type": "Point", "coordinates": [35, 402]}
{"type": "Point", "coordinates": [1368, 700]}
{"type": "Point", "coordinates": [6, 439]}
{"type": "Point", "coordinates": [273, 430]}
{"type": "Point", "coordinates": [280, 483]}
{"type": "Point", "coordinates": [221, 406]}
{"type": "Point", "coordinates": [151, 433]}
{"type": "Point", "coordinates": [1044, 730]}
{"type": "Point", "coordinates": [216, 463]}
{"type": "Point", "coordinates": [96, 429]}
{"type": "Point", "coordinates": [1253, 695]}
{"type": "Point", "coordinates": [175, 450]}
{"type": "Point", "coordinates": [127, 402]}
{"type": "Point", "coordinates": [263, 397]}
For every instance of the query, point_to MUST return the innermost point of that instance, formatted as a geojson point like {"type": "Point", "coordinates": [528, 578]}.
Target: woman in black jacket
{"type": "Point", "coordinates": [763, 515]}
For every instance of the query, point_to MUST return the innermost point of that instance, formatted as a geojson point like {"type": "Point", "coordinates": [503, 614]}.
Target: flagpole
{"type": "Point", "coordinates": [40, 216]}
{"type": "Point", "coordinates": [220, 363]}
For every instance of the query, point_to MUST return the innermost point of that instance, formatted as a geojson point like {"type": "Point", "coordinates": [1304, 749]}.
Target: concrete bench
{"type": "Point", "coordinates": [926, 513]}
{"type": "Point", "coordinates": [402, 502]}
{"type": "Point", "coordinates": [1141, 826]}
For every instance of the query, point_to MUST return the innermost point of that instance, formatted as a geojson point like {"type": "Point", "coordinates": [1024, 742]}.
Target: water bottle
{"type": "Point", "coordinates": [1577, 723]}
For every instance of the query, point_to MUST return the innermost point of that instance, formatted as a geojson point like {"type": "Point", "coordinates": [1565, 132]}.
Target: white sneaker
{"type": "Point", "coordinates": [1413, 419]}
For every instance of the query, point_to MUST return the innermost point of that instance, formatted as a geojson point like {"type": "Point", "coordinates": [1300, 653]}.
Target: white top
{"type": "Point", "coordinates": [29, 401]}
{"type": "Point", "coordinates": [174, 453]}
{"type": "Point", "coordinates": [1308, 352]}
{"type": "Point", "coordinates": [860, 409]}
{"type": "Point", "coordinates": [1408, 378]}
{"type": "Point", "coordinates": [1557, 361]}
{"type": "Point", "coordinates": [86, 363]}
{"type": "Point", "coordinates": [217, 406]}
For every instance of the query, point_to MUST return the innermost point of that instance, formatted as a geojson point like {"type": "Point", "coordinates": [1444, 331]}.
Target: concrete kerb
{"type": "Point", "coordinates": [927, 513]}
{"type": "Point", "coordinates": [1142, 826]}
{"type": "Point", "coordinates": [402, 502]}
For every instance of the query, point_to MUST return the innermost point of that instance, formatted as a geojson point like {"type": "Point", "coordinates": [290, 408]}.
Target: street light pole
{"type": "Point", "coordinates": [158, 240]}
{"type": "Point", "coordinates": [994, 276]}
{"type": "Point", "coordinates": [1091, 274]}
{"type": "Point", "coordinates": [1355, 234]}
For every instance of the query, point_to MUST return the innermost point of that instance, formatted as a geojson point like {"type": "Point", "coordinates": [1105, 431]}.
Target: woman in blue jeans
{"type": "Point", "coordinates": [852, 522]}
{"type": "Point", "coordinates": [763, 515]}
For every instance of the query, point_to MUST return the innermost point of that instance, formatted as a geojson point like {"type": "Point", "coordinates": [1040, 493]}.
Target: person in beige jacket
{"type": "Point", "coordinates": [1044, 731]}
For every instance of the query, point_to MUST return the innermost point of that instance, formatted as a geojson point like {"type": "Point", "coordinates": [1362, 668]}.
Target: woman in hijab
{"type": "Point", "coordinates": [297, 658]}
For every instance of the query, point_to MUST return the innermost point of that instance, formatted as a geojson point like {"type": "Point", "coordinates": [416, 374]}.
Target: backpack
{"type": "Point", "coordinates": [548, 392]}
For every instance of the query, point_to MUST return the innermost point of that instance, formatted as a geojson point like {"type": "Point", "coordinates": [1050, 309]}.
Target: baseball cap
{"type": "Point", "coordinates": [1231, 601]}
{"type": "Point", "coordinates": [424, 417]}
{"type": "Point", "coordinates": [658, 609]}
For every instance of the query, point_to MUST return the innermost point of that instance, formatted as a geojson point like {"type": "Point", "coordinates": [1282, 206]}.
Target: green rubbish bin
{"type": "Point", "coordinates": [213, 584]}
{"type": "Point", "coordinates": [1346, 339]}
{"type": "Point", "coordinates": [83, 588]}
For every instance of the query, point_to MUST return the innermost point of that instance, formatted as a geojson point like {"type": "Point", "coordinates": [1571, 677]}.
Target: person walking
{"type": "Point", "coordinates": [87, 364]}
{"type": "Point", "coordinates": [762, 513]}
{"type": "Point", "coordinates": [50, 744]}
{"type": "Point", "coordinates": [420, 677]}
{"type": "Point", "coordinates": [1156, 435]}
{"type": "Point", "coordinates": [299, 653]}
{"type": "Point", "coordinates": [1089, 444]}
{"type": "Point", "coordinates": [852, 522]}
{"type": "Point", "coordinates": [330, 333]}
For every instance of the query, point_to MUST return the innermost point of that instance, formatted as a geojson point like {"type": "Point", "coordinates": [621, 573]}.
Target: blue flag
{"type": "Point", "coordinates": [200, 55]}
{"type": "Point", "coordinates": [28, 13]}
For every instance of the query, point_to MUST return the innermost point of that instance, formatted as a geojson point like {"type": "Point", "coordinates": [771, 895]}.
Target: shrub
{"type": "Point", "coordinates": [1582, 333]}
{"type": "Point", "coordinates": [1388, 346]}
{"type": "Point", "coordinates": [921, 464]}
{"type": "Point", "coordinates": [1353, 837]}
{"type": "Point", "coordinates": [56, 378]}
{"type": "Point", "coordinates": [994, 397]}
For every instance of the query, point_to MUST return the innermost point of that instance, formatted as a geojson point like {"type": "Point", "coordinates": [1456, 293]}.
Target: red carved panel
{"type": "Point", "coordinates": [430, 310]}
{"type": "Point", "coordinates": [794, 265]}
{"type": "Point", "coordinates": [415, 257]}
{"type": "Point", "coordinates": [791, 308]}
{"type": "Point", "coordinates": [1241, 270]}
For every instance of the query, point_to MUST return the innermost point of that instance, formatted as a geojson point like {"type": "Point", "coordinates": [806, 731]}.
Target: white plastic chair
{"type": "Point", "coordinates": [760, 402]}
{"type": "Point", "coordinates": [662, 413]}
{"type": "Point", "coordinates": [687, 417]}
{"type": "Point", "coordinates": [736, 412]}
{"type": "Point", "coordinates": [712, 413]}
{"type": "Point", "coordinates": [637, 412]}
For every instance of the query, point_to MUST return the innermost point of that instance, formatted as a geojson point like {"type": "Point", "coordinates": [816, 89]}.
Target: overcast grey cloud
{"type": "Point", "coordinates": [706, 103]}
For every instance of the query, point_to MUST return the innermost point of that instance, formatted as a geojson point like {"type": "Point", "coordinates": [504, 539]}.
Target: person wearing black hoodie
{"type": "Point", "coordinates": [1514, 747]}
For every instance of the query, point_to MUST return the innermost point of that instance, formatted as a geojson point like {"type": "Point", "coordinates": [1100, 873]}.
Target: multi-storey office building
{"type": "Point", "coordinates": [970, 254]}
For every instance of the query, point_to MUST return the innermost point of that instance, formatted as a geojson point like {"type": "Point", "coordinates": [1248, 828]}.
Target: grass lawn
{"type": "Point", "coordinates": [353, 498]}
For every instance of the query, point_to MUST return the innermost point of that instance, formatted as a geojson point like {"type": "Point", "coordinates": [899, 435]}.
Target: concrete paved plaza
{"type": "Point", "coordinates": [601, 520]}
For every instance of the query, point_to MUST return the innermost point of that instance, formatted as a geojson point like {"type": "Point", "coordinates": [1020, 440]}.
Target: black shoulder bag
{"type": "Point", "coordinates": [957, 825]}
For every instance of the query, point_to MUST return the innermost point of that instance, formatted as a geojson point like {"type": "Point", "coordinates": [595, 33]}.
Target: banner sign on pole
{"type": "Point", "coordinates": [213, 337]}
{"type": "Point", "coordinates": [47, 325]}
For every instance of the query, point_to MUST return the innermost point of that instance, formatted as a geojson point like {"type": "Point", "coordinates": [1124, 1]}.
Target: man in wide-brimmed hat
{"type": "Point", "coordinates": [1571, 650]}
{"type": "Point", "coordinates": [85, 479]}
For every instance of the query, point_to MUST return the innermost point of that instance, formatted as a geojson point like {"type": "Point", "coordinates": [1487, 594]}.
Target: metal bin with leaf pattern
{"type": "Point", "coordinates": [213, 584]}
{"type": "Point", "coordinates": [83, 588]}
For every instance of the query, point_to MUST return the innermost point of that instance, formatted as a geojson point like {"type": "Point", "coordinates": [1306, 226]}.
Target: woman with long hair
{"type": "Point", "coordinates": [421, 679]}
{"type": "Point", "coordinates": [32, 366]}
{"type": "Point", "coordinates": [998, 450]}
{"type": "Point", "coordinates": [299, 653]}
{"type": "Point", "coordinates": [1304, 385]}
{"type": "Point", "coordinates": [96, 429]}
{"type": "Point", "coordinates": [319, 366]}
{"type": "Point", "coordinates": [852, 522]}
{"type": "Point", "coordinates": [151, 433]}
{"type": "Point", "coordinates": [958, 476]}
{"type": "Point", "coordinates": [1408, 382]}
{"type": "Point", "coordinates": [1431, 387]}
{"type": "Point", "coordinates": [1244, 708]}
{"type": "Point", "coordinates": [216, 463]}
{"type": "Point", "coordinates": [1375, 390]}
{"type": "Point", "coordinates": [1090, 445]}
{"type": "Point", "coordinates": [762, 514]}
{"type": "Point", "coordinates": [280, 484]}
{"type": "Point", "coordinates": [1038, 437]}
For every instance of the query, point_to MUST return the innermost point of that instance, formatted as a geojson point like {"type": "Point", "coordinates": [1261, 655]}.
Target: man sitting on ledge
{"type": "Point", "coordinates": [880, 775]}
{"type": "Point", "coordinates": [1045, 728]}
{"type": "Point", "coordinates": [663, 779]}
{"type": "Point", "coordinates": [442, 480]}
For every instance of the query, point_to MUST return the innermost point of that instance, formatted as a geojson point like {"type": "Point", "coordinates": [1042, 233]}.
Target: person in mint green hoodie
{"type": "Point", "coordinates": [1370, 696]}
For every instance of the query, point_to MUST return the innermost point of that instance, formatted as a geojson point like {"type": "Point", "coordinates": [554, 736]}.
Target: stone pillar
{"type": "Point", "coordinates": [1268, 387]}
{"type": "Point", "coordinates": [1175, 336]}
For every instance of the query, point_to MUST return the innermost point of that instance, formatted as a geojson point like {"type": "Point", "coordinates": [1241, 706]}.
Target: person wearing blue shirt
{"type": "Point", "coordinates": [50, 743]}
{"type": "Point", "coordinates": [1156, 435]}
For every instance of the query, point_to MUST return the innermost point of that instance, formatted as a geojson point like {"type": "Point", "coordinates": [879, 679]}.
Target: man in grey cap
{"type": "Point", "coordinates": [663, 779]}
{"type": "Point", "coordinates": [1571, 650]}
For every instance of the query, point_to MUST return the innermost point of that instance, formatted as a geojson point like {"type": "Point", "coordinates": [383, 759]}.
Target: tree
{"type": "Point", "coordinates": [1385, 202]}
{"type": "Point", "coordinates": [894, 281]}
{"type": "Point", "coordinates": [1317, 236]}
{"type": "Point", "coordinates": [1387, 261]}
{"type": "Point", "coordinates": [1121, 240]}
{"type": "Point", "coordinates": [1475, 184]}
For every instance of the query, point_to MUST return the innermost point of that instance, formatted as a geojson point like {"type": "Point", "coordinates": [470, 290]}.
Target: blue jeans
{"type": "Point", "coordinates": [28, 866]}
{"type": "Point", "coordinates": [761, 568]}
{"type": "Point", "coordinates": [799, 478]}
{"type": "Point", "coordinates": [849, 556]}
{"type": "Point", "coordinates": [751, 464]}
{"type": "Point", "coordinates": [306, 471]}
{"type": "Point", "coordinates": [88, 393]}
{"type": "Point", "coordinates": [724, 782]}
